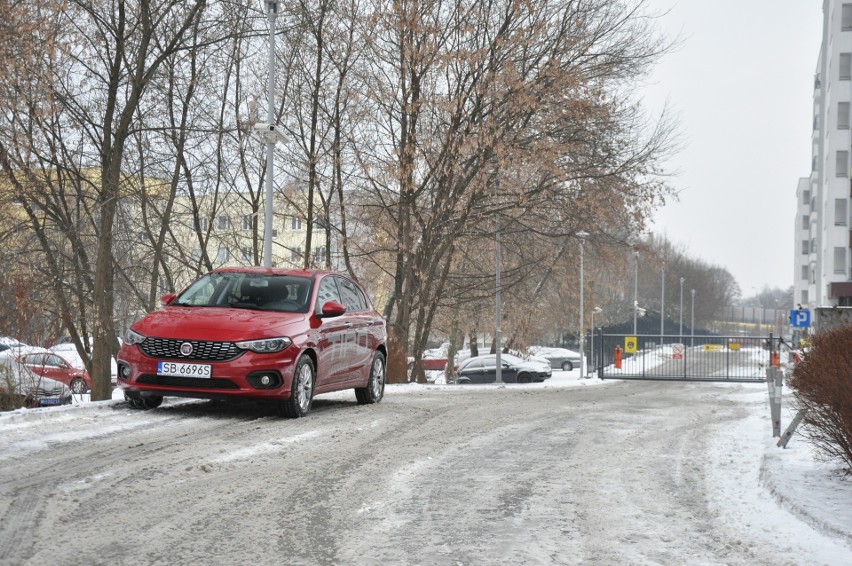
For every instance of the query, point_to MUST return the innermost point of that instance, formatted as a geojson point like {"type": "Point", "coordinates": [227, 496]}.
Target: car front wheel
{"type": "Point", "coordinates": [301, 391]}
{"type": "Point", "coordinates": [567, 366]}
{"type": "Point", "coordinates": [375, 389]}
{"type": "Point", "coordinates": [78, 386]}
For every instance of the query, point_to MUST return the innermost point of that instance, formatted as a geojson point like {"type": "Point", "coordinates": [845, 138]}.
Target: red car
{"type": "Point", "coordinates": [258, 333]}
{"type": "Point", "coordinates": [58, 368]}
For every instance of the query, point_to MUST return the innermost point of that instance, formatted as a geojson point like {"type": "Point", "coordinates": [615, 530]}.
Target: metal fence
{"type": "Point", "coordinates": [684, 358]}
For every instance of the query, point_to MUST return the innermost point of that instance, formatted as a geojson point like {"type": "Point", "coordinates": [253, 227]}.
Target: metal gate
{"type": "Point", "coordinates": [684, 358]}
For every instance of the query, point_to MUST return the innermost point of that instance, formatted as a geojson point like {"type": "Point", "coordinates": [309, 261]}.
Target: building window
{"type": "Point", "coordinates": [841, 164]}
{"type": "Point", "coordinates": [196, 254]}
{"type": "Point", "coordinates": [813, 163]}
{"type": "Point", "coordinates": [845, 66]}
{"type": "Point", "coordinates": [805, 247]}
{"type": "Point", "coordinates": [813, 245]}
{"type": "Point", "coordinates": [247, 222]}
{"type": "Point", "coordinates": [842, 115]}
{"type": "Point", "coordinates": [846, 17]}
{"type": "Point", "coordinates": [246, 255]}
{"type": "Point", "coordinates": [804, 297]}
{"type": "Point", "coordinates": [805, 272]}
{"type": "Point", "coordinates": [296, 223]}
{"type": "Point", "coordinates": [295, 254]}
{"type": "Point", "coordinates": [839, 261]}
{"type": "Point", "coordinates": [806, 197]}
{"type": "Point", "coordinates": [319, 255]}
{"type": "Point", "coordinates": [202, 224]}
{"type": "Point", "coordinates": [806, 222]}
{"type": "Point", "coordinates": [840, 212]}
{"type": "Point", "coordinates": [222, 254]}
{"type": "Point", "coordinates": [816, 122]}
{"type": "Point", "coordinates": [224, 222]}
{"type": "Point", "coordinates": [274, 232]}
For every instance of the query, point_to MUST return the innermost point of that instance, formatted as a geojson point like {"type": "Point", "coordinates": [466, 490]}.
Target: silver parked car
{"type": "Point", "coordinates": [559, 358]}
{"type": "Point", "coordinates": [36, 391]}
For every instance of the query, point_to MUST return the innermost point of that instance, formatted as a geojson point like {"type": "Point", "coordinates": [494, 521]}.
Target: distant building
{"type": "Point", "coordinates": [822, 269]}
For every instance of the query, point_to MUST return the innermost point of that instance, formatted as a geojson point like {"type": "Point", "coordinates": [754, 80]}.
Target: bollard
{"type": "Point", "coordinates": [618, 357]}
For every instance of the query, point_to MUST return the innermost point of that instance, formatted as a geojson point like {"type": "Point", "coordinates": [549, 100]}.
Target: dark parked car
{"type": "Point", "coordinates": [265, 334]}
{"type": "Point", "coordinates": [33, 390]}
{"type": "Point", "coordinates": [56, 367]}
{"type": "Point", "coordinates": [483, 369]}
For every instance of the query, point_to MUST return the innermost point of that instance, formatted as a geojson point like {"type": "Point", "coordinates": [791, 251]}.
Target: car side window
{"type": "Point", "coordinates": [52, 361]}
{"type": "Point", "coordinates": [327, 292]}
{"type": "Point", "coordinates": [474, 364]}
{"type": "Point", "coordinates": [353, 300]}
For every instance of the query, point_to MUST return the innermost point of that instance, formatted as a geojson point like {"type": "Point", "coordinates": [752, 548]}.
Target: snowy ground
{"type": "Point", "coordinates": [653, 474]}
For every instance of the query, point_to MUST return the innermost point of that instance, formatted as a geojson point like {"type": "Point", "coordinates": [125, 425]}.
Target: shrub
{"type": "Point", "coordinates": [822, 384]}
{"type": "Point", "coordinates": [9, 398]}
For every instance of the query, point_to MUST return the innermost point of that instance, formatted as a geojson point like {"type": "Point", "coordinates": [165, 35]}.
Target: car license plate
{"type": "Point", "coordinates": [183, 370]}
{"type": "Point", "coordinates": [49, 401]}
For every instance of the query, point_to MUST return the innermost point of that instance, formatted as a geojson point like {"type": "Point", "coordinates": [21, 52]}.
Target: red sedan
{"type": "Point", "coordinates": [56, 367]}
{"type": "Point", "coordinates": [266, 334]}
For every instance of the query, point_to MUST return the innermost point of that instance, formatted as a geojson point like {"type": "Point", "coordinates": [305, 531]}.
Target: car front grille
{"type": "Point", "coordinates": [202, 351]}
{"type": "Point", "coordinates": [190, 382]}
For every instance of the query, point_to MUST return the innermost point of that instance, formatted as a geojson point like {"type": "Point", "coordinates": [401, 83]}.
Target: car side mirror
{"type": "Point", "coordinates": [331, 309]}
{"type": "Point", "coordinates": [167, 299]}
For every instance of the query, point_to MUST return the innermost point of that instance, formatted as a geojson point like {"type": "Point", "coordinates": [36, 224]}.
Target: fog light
{"type": "Point", "coordinates": [265, 380]}
{"type": "Point", "coordinates": [124, 371]}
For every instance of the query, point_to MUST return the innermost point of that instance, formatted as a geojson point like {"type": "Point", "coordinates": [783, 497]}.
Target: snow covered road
{"type": "Point", "coordinates": [639, 473]}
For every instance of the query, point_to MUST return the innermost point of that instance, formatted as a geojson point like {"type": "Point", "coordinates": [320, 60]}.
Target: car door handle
{"type": "Point", "coordinates": [348, 324]}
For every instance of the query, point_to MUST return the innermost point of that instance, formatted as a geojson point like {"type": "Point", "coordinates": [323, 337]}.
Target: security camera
{"type": "Point", "coordinates": [269, 132]}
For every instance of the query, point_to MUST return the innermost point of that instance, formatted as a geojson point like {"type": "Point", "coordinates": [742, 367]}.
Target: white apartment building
{"type": "Point", "coordinates": [823, 238]}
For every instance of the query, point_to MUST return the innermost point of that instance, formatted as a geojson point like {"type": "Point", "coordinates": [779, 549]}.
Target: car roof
{"type": "Point", "coordinates": [275, 271]}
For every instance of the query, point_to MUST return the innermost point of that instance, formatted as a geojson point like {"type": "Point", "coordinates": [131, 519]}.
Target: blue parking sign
{"type": "Point", "coordinates": [800, 318]}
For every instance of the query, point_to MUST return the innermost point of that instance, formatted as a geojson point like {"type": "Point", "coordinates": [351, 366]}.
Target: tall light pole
{"type": "Point", "coordinates": [498, 350]}
{"type": "Point", "coordinates": [692, 321]}
{"type": "Point", "coordinates": [582, 235]}
{"type": "Point", "coordinates": [596, 310]}
{"type": "Point", "coordinates": [681, 308]}
{"type": "Point", "coordinates": [663, 305]}
{"type": "Point", "coordinates": [635, 288]}
{"type": "Point", "coordinates": [270, 135]}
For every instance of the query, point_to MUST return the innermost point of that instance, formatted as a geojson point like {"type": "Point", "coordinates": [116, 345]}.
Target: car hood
{"type": "Point", "coordinates": [533, 366]}
{"type": "Point", "coordinates": [217, 324]}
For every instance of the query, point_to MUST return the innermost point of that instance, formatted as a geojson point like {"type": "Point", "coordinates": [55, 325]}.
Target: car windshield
{"type": "Point", "coordinates": [280, 293]}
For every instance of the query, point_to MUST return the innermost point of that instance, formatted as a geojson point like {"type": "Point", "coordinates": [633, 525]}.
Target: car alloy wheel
{"type": "Point", "coordinates": [78, 386]}
{"type": "Point", "coordinates": [301, 390]}
{"type": "Point", "coordinates": [304, 387]}
{"type": "Point", "coordinates": [567, 366]}
{"type": "Point", "coordinates": [375, 389]}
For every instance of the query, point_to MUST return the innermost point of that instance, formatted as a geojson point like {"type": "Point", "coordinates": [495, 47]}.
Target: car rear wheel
{"type": "Point", "coordinates": [375, 389]}
{"type": "Point", "coordinates": [301, 392]}
{"type": "Point", "coordinates": [567, 366]}
{"type": "Point", "coordinates": [78, 386]}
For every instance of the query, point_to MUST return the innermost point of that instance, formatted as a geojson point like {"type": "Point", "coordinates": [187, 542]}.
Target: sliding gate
{"type": "Point", "coordinates": [684, 358]}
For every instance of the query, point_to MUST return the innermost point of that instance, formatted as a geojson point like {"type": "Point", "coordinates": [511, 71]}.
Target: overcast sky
{"type": "Point", "coordinates": [741, 84]}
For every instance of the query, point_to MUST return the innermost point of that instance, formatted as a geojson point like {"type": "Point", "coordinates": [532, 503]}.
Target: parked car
{"type": "Point", "coordinates": [483, 369]}
{"type": "Point", "coordinates": [56, 367]}
{"type": "Point", "coordinates": [265, 334]}
{"type": "Point", "coordinates": [7, 342]}
{"type": "Point", "coordinates": [33, 389]}
{"type": "Point", "coordinates": [559, 358]}
{"type": "Point", "coordinates": [69, 352]}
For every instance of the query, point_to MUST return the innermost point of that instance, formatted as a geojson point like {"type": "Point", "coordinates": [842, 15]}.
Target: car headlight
{"type": "Point", "coordinates": [266, 346]}
{"type": "Point", "coordinates": [133, 337]}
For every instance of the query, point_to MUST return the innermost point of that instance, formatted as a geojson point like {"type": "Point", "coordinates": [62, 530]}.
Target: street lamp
{"type": "Point", "coordinates": [582, 235]}
{"type": "Point", "coordinates": [635, 288]}
{"type": "Point", "coordinates": [270, 134]}
{"type": "Point", "coordinates": [596, 310]}
{"type": "Point", "coordinates": [692, 321]}
{"type": "Point", "coordinates": [681, 308]}
{"type": "Point", "coordinates": [663, 304]}
{"type": "Point", "coordinates": [498, 337]}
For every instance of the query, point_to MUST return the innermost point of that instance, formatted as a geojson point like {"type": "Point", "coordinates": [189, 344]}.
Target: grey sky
{"type": "Point", "coordinates": [741, 84]}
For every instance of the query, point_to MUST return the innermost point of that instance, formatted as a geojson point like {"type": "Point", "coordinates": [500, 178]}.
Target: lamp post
{"type": "Point", "coordinates": [663, 304]}
{"type": "Point", "coordinates": [692, 321]}
{"type": "Point", "coordinates": [498, 350]}
{"type": "Point", "coordinates": [596, 310]}
{"type": "Point", "coordinates": [635, 288]}
{"type": "Point", "coordinates": [582, 235]}
{"type": "Point", "coordinates": [681, 308]}
{"type": "Point", "coordinates": [270, 137]}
